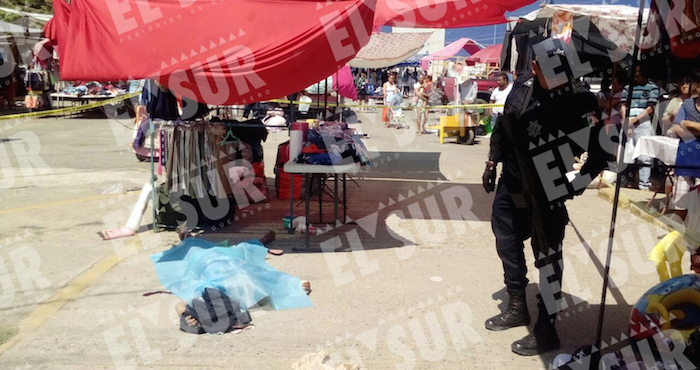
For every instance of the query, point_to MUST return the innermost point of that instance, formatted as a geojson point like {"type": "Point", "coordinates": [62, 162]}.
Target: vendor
{"type": "Point", "coordinates": [645, 95]}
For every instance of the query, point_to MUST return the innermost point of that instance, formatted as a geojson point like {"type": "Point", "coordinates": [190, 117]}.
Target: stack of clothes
{"type": "Point", "coordinates": [80, 88]}
{"type": "Point", "coordinates": [333, 144]}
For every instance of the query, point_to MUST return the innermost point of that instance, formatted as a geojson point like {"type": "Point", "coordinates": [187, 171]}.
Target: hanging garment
{"type": "Point", "coordinates": [160, 102]}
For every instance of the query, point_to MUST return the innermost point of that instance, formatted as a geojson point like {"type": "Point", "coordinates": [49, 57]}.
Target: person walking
{"type": "Point", "coordinates": [499, 96]}
{"type": "Point", "coordinates": [361, 86]}
{"type": "Point", "coordinates": [389, 90]}
{"type": "Point", "coordinates": [420, 99]}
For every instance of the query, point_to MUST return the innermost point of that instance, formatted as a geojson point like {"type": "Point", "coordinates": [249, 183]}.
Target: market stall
{"type": "Point", "coordinates": [601, 34]}
{"type": "Point", "coordinates": [449, 51]}
{"type": "Point", "coordinates": [490, 55]}
{"type": "Point", "coordinates": [329, 150]}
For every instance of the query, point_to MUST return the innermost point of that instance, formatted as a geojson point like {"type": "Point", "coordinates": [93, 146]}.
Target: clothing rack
{"type": "Point", "coordinates": [200, 157]}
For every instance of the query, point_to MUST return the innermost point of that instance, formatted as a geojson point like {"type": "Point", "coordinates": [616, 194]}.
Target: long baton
{"type": "Point", "coordinates": [620, 153]}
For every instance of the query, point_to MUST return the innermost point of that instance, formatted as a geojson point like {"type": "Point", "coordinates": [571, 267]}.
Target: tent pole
{"type": "Point", "coordinates": [337, 79]}
{"type": "Point", "coordinates": [325, 100]}
{"type": "Point", "coordinates": [318, 99]}
{"type": "Point", "coordinates": [154, 206]}
{"type": "Point", "coordinates": [620, 154]}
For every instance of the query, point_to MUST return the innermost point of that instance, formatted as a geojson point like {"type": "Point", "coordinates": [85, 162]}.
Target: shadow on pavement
{"type": "Point", "coordinates": [405, 165]}
{"type": "Point", "coordinates": [576, 324]}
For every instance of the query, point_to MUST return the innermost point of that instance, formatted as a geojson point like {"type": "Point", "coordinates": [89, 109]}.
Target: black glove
{"type": "Point", "coordinates": [488, 179]}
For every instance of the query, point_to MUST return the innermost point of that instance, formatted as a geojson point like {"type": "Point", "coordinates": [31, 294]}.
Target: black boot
{"type": "Point", "coordinates": [544, 336]}
{"type": "Point", "coordinates": [515, 315]}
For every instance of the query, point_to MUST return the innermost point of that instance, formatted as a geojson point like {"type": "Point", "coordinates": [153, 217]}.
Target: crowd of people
{"type": "Point", "coordinates": [650, 113]}
{"type": "Point", "coordinates": [425, 92]}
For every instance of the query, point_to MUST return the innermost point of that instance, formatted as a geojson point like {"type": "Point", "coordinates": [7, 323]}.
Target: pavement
{"type": "Point", "coordinates": [413, 293]}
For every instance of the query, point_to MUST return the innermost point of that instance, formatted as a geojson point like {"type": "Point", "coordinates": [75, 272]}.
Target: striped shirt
{"type": "Point", "coordinates": [642, 96]}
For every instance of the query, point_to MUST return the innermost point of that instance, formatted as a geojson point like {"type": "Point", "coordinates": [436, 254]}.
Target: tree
{"type": "Point", "coordinates": [33, 6]}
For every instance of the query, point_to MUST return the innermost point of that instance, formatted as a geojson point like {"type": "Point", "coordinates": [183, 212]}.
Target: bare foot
{"type": "Point", "coordinates": [306, 285]}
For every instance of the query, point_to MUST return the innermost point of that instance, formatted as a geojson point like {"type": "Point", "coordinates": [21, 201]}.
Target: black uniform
{"type": "Point", "coordinates": [542, 137]}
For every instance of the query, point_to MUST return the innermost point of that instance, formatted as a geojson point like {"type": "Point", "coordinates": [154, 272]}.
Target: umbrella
{"type": "Point", "coordinates": [240, 271]}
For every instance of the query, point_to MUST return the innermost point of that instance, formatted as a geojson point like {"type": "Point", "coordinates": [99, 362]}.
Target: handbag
{"type": "Point", "coordinates": [385, 114]}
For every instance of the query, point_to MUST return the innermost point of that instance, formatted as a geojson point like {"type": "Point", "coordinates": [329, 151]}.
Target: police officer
{"type": "Point", "coordinates": [547, 120]}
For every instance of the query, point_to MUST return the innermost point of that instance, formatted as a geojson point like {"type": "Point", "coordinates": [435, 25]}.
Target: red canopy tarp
{"type": "Point", "coordinates": [213, 51]}
{"type": "Point", "coordinates": [489, 55]}
{"type": "Point", "coordinates": [444, 13]}
{"type": "Point", "coordinates": [469, 45]}
{"type": "Point", "coordinates": [344, 84]}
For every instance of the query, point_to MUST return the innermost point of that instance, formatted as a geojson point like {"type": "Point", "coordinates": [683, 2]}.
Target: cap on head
{"type": "Point", "coordinates": [556, 63]}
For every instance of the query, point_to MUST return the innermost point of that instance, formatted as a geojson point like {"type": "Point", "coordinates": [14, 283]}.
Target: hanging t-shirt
{"type": "Point", "coordinates": [499, 96]}
{"type": "Point", "coordinates": [160, 102]}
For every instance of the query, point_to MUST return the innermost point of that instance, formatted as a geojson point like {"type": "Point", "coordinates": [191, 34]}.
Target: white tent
{"type": "Point", "coordinates": [618, 23]}
{"type": "Point", "coordinates": [389, 49]}
{"type": "Point", "coordinates": [6, 27]}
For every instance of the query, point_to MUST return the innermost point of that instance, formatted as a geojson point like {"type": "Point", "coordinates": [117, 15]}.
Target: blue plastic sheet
{"type": "Point", "coordinates": [240, 271]}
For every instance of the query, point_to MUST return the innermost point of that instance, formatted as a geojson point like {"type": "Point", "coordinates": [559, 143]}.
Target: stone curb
{"type": "Point", "coordinates": [645, 213]}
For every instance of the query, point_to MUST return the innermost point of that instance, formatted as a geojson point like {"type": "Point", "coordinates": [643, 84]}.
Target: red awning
{"type": "Point", "coordinates": [213, 51]}
{"type": "Point", "coordinates": [489, 55]}
{"type": "Point", "coordinates": [444, 13]}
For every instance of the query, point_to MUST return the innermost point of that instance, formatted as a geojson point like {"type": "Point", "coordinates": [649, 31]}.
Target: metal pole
{"type": "Point", "coordinates": [151, 129]}
{"type": "Point", "coordinates": [325, 99]}
{"type": "Point", "coordinates": [620, 154]}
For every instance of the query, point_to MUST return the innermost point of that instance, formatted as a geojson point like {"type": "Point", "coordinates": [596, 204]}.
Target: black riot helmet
{"type": "Point", "coordinates": [558, 65]}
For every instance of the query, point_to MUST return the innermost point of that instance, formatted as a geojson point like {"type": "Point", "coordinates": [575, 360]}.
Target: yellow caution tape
{"type": "Point", "coordinates": [81, 108]}
{"type": "Point", "coordinates": [411, 107]}
{"type": "Point", "coordinates": [86, 107]}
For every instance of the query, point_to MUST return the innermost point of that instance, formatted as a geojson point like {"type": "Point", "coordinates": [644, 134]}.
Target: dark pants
{"type": "Point", "coordinates": [512, 224]}
{"type": "Point", "coordinates": [253, 107]}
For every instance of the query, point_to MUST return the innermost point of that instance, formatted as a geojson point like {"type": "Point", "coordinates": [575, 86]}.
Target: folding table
{"type": "Point", "coordinates": [308, 169]}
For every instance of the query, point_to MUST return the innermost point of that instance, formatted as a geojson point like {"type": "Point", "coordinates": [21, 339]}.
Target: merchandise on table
{"type": "Point", "coordinates": [332, 144]}
{"type": "Point", "coordinates": [93, 88]}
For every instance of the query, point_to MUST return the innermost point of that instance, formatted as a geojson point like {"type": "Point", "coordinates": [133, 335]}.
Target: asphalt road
{"type": "Point", "coordinates": [422, 277]}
